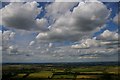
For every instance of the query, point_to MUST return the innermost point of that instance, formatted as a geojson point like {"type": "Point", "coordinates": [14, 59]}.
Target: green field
{"type": "Point", "coordinates": [53, 72]}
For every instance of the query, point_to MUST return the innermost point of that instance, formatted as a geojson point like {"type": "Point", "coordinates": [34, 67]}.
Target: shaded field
{"type": "Point", "coordinates": [55, 72]}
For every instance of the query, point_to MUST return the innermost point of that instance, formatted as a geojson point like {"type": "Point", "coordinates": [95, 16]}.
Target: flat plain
{"type": "Point", "coordinates": [60, 71]}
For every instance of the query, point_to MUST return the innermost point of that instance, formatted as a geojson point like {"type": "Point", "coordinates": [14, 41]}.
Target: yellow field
{"type": "Point", "coordinates": [20, 75]}
{"type": "Point", "coordinates": [63, 76]}
{"type": "Point", "coordinates": [42, 74]}
{"type": "Point", "coordinates": [87, 76]}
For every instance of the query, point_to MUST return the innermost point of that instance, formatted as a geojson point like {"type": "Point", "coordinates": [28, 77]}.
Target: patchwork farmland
{"type": "Point", "coordinates": [61, 71]}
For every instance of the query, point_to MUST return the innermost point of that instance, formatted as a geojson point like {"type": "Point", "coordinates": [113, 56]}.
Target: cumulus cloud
{"type": "Point", "coordinates": [116, 19]}
{"type": "Point", "coordinates": [55, 10]}
{"type": "Point", "coordinates": [41, 36]}
{"type": "Point", "coordinates": [80, 52]}
{"type": "Point", "coordinates": [12, 50]}
{"type": "Point", "coordinates": [31, 43]}
{"type": "Point", "coordinates": [7, 35]}
{"type": "Point", "coordinates": [70, 22]}
{"type": "Point", "coordinates": [50, 45]}
{"type": "Point", "coordinates": [72, 25]}
{"type": "Point", "coordinates": [96, 17]}
{"type": "Point", "coordinates": [23, 16]}
{"type": "Point", "coordinates": [86, 44]}
{"type": "Point", "coordinates": [108, 35]}
{"type": "Point", "coordinates": [0, 38]}
{"type": "Point", "coordinates": [106, 39]}
{"type": "Point", "coordinates": [75, 0]}
{"type": "Point", "coordinates": [66, 23]}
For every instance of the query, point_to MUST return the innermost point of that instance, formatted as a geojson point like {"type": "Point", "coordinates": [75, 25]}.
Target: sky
{"type": "Point", "coordinates": [39, 32]}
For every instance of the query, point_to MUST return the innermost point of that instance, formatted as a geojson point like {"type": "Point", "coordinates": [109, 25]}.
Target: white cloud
{"type": "Point", "coordinates": [67, 25]}
{"type": "Point", "coordinates": [1, 39]}
{"type": "Point", "coordinates": [86, 52]}
{"type": "Point", "coordinates": [7, 35]}
{"type": "Point", "coordinates": [23, 16]}
{"type": "Point", "coordinates": [12, 50]}
{"type": "Point", "coordinates": [108, 35]}
{"type": "Point", "coordinates": [41, 36]}
{"type": "Point", "coordinates": [42, 24]}
{"type": "Point", "coordinates": [31, 43]}
{"type": "Point", "coordinates": [50, 45]}
{"type": "Point", "coordinates": [87, 43]}
{"type": "Point", "coordinates": [87, 57]}
{"type": "Point", "coordinates": [73, 25]}
{"type": "Point", "coordinates": [76, 0]}
{"type": "Point", "coordinates": [56, 9]}
{"type": "Point", "coordinates": [116, 19]}
{"type": "Point", "coordinates": [96, 17]}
